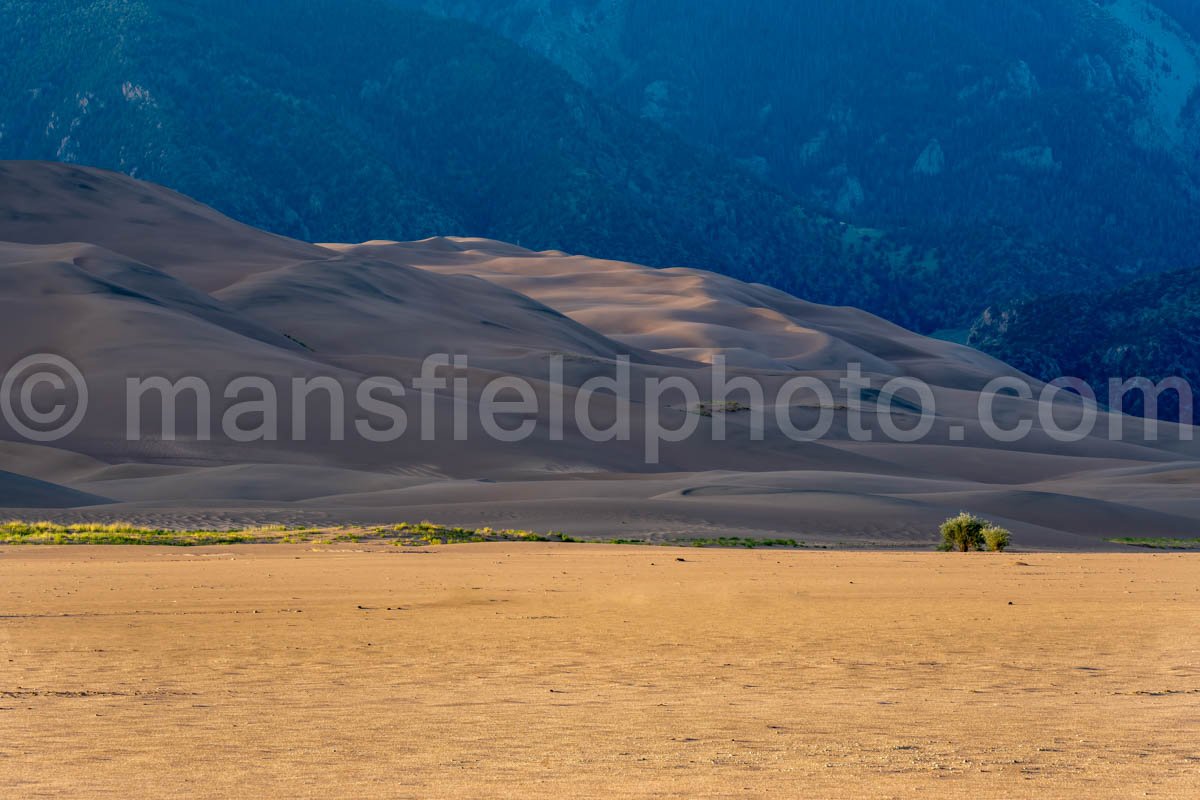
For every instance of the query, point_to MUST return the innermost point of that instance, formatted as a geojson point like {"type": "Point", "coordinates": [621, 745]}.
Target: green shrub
{"type": "Point", "coordinates": [997, 539]}
{"type": "Point", "coordinates": [963, 533]}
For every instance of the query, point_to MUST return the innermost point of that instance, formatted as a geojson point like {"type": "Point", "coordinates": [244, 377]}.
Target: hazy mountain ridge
{"type": "Point", "coordinates": [357, 120]}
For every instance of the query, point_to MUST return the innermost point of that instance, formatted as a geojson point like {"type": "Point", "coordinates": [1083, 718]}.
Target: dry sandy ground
{"type": "Point", "coordinates": [595, 671]}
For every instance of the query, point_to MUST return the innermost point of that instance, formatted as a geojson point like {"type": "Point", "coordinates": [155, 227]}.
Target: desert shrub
{"type": "Point", "coordinates": [997, 539]}
{"type": "Point", "coordinates": [963, 533]}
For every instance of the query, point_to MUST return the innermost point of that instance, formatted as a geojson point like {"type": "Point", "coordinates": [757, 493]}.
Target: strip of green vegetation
{"type": "Point", "coordinates": [1158, 542]}
{"type": "Point", "coordinates": [426, 533]}
{"type": "Point", "coordinates": [422, 534]}
{"type": "Point", "coordinates": [124, 533]}
{"type": "Point", "coordinates": [723, 541]}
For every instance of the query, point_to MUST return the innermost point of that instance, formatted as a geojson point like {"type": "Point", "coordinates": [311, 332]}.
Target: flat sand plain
{"type": "Point", "coordinates": [528, 671]}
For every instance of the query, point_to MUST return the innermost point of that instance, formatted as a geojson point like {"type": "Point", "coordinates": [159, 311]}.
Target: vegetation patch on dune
{"type": "Point", "coordinates": [1158, 542]}
{"type": "Point", "coordinates": [721, 407]}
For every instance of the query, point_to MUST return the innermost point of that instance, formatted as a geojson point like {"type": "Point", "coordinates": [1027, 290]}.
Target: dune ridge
{"type": "Point", "coordinates": [127, 279]}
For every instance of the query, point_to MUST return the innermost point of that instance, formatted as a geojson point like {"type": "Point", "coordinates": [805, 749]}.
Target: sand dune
{"type": "Point", "coordinates": [699, 314]}
{"type": "Point", "coordinates": [45, 203]}
{"type": "Point", "coordinates": [347, 306]}
{"type": "Point", "coordinates": [21, 491]}
{"type": "Point", "coordinates": [129, 280]}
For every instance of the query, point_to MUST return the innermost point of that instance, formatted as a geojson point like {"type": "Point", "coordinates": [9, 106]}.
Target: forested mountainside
{"type": "Point", "coordinates": [1148, 329]}
{"type": "Point", "coordinates": [1072, 122]}
{"type": "Point", "coordinates": [360, 119]}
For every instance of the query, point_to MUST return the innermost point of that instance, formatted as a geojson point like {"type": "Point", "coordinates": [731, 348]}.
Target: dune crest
{"type": "Point", "coordinates": [128, 280]}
